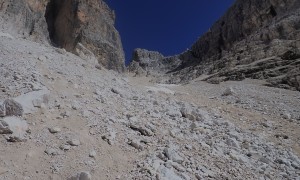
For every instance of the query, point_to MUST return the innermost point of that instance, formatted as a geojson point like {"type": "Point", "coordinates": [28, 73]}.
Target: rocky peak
{"type": "Point", "coordinates": [143, 55]}
{"type": "Point", "coordinates": [151, 62]}
{"type": "Point", "coordinates": [67, 24]}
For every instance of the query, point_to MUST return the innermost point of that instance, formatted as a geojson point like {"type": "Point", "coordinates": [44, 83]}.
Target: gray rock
{"type": "Point", "coordinates": [4, 128]}
{"type": "Point", "coordinates": [188, 113]}
{"type": "Point", "coordinates": [146, 62]}
{"type": "Point", "coordinates": [51, 151]}
{"type": "Point", "coordinates": [81, 176]}
{"type": "Point", "coordinates": [232, 142]}
{"type": "Point", "coordinates": [12, 108]}
{"type": "Point", "coordinates": [37, 103]}
{"type": "Point", "coordinates": [54, 130]}
{"type": "Point", "coordinates": [65, 114]}
{"type": "Point", "coordinates": [17, 126]}
{"type": "Point", "coordinates": [295, 165]}
{"type": "Point", "coordinates": [173, 112]}
{"type": "Point", "coordinates": [85, 113]}
{"type": "Point", "coordinates": [172, 154]}
{"type": "Point", "coordinates": [206, 172]}
{"type": "Point", "coordinates": [65, 147]}
{"type": "Point", "coordinates": [75, 105]}
{"type": "Point", "coordinates": [2, 111]}
{"type": "Point", "coordinates": [26, 99]}
{"type": "Point", "coordinates": [291, 54]}
{"type": "Point", "coordinates": [287, 115]}
{"type": "Point", "coordinates": [144, 131]}
{"type": "Point", "coordinates": [114, 90]}
{"type": "Point", "coordinates": [264, 160]}
{"type": "Point", "coordinates": [92, 153]}
{"type": "Point", "coordinates": [42, 58]}
{"type": "Point", "coordinates": [74, 142]}
{"type": "Point", "coordinates": [228, 91]}
{"type": "Point", "coordinates": [136, 144]}
{"type": "Point", "coordinates": [164, 173]}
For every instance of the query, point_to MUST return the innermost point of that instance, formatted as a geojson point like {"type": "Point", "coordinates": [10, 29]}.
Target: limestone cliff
{"type": "Point", "coordinates": [250, 31]}
{"type": "Point", "coordinates": [146, 62]}
{"type": "Point", "coordinates": [65, 24]}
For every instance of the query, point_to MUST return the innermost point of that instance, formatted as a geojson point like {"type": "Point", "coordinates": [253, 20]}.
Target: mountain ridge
{"type": "Point", "coordinates": [247, 32]}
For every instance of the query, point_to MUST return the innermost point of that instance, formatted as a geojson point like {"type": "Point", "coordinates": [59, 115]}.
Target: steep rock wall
{"type": "Point", "coordinates": [65, 23]}
{"type": "Point", "coordinates": [242, 20]}
{"type": "Point", "coordinates": [249, 32]}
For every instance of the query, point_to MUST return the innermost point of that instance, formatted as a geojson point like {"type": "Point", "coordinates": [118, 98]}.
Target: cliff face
{"type": "Point", "coordinates": [67, 24]}
{"type": "Point", "coordinates": [146, 62]}
{"type": "Point", "coordinates": [263, 20]}
{"type": "Point", "coordinates": [250, 31]}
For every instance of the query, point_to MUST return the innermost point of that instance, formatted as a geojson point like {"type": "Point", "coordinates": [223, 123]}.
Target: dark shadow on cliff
{"type": "Point", "coordinates": [50, 16]}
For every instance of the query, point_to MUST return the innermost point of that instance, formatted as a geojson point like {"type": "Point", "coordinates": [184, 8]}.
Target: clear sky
{"type": "Point", "coordinates": [167, 26]}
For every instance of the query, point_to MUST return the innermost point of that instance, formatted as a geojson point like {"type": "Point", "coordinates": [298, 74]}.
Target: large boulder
{"type": "Point", "coordinates": [15, 127]}
{"type": "Point", "coordinates": [12, 108]}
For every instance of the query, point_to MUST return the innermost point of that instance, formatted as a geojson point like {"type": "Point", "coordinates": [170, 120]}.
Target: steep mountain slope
{"type": "Point", "coordinates": [63, 118]}
{"type": "Point", "coordinates": [250, 31]}
{"type": "Point", "coordinates": [83, 27]}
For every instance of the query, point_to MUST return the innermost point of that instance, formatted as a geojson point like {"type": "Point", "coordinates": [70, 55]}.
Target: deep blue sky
{"type": "Point", "coordinates": [167, 26]}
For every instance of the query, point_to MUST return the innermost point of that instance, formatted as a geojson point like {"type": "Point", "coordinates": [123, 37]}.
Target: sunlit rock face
{"type": "Point", "coordinates": [65, 23]}
{"type": "Point", "coordinates": [248, 41]}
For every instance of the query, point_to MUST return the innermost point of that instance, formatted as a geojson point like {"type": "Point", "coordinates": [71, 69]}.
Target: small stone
{"type": "Point", "coordinates": [65, 147]}
{"type": "Point", "coordinates": [173, 155]}
{"type": "Point", "coordinates": [75, 105]}
{"type": "Point", "coordinates": [232, 143]}
{"type": "Point", "coordinates": [81, 176]}
{"type": "Point", "coordinates": [4, 128]}
{"type": "Point", "coordinates": [264, 160]}
{"type": "Point", "coordinates": [37, 103]}
{"type": "Point", "coordinates": [2, 111]}
{"type": "Point", "coordinates": [54, 130]}
{"type": "Point", "coordinates": [42, 58]}
{"type": "Point", "coordinates": [166, 173]}
{"type": "Point", "coordinates": [136, 144]}
{"type": "Point", "coordinates": [74, 142]}
{"type": "Point", "coordinates": [109, 137]}
{"type": "Point", "coordinates": [116, 91]}
{"type": "Point", "coordinates": [295, 165]}
{"type": "Point", "coordinates": [98, 66]}
{"type": "Point", "coordinates": [229, 91]}
{"type": "Point", "coordinates": [65, 114]}
{"type": "Point", "coordinates": [85, 113]}
{"type": "Point", "coordinates": [142, 130]}
{"type": "Point", "coordinates": [51, 151]}
{"type": "Point", "coordinates": [287, 115]}
{"type": "Point", "coordinates": [17, 77]}
{"type": "Point", "coordinates": [92, 154]}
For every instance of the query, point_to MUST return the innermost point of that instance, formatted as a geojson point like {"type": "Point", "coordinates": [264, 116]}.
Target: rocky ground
{"type": "Point", "coordinates": [63, 117]}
